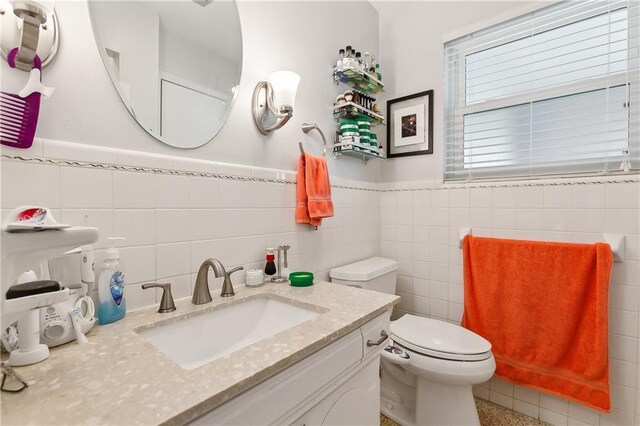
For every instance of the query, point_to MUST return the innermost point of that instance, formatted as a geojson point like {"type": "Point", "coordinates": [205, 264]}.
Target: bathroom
{"type": "Point", "coordinates": [94, 163]}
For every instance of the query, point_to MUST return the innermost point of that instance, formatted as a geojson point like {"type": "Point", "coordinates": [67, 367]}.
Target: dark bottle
{"type": "Point", "coordinates": [270, 266]}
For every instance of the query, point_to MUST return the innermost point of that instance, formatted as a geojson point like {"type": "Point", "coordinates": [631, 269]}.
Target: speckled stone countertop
{"type": "Point", "coordinates": [118, 378]}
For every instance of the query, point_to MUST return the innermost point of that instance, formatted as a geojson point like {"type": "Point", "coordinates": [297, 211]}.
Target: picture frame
{"type": "Point", "coordinates": [410, 125]}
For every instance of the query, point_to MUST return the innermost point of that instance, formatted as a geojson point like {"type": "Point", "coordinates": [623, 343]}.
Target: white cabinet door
{"type": "Point", "coordinates": [356, 402]}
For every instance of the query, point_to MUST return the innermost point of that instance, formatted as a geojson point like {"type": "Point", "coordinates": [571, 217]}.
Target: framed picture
{"type": "Point", "coordinates": [410, 127]}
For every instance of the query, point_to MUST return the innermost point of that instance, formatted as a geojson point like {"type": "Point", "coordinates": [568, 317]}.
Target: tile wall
{"type": "Point", "coordinates": [176, 212]}
{"type": "Point", "coordinates": [174, 222]}
{"type": "Point", "coordinates": [420, 230]}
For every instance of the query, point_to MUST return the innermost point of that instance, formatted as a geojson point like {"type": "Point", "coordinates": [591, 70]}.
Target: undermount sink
{"type": "Point", "coordinates": [199, 339]}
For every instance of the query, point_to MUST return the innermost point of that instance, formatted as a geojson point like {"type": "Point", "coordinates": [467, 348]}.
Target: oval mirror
{"type": "Point", "coordinates": [175, 64]}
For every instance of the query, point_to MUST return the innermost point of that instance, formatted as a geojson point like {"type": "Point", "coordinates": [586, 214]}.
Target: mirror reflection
{"type": "Point", "coordinates": [175, 64]}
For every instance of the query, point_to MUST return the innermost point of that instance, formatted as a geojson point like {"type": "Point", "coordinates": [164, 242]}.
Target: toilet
{"type": "Point", "coordinates": [429, 366]}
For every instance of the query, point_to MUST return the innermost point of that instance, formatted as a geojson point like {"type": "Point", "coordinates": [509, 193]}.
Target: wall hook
{"type": "Point", "coordinates": [32, 29]}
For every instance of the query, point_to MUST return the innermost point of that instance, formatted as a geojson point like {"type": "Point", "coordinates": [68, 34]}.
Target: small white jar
{"type": "Point", "coordinates": [255, 278]}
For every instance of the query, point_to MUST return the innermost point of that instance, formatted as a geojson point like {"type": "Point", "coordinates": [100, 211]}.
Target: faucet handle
{"type": "Point", "coordinates": [236, 269]}
{"type": "Point", "coordinates": [227, 286]}
{"type": "Point", "coordinates": [166, 302]}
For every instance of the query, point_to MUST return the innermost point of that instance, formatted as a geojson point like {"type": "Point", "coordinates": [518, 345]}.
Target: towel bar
{"type": "Point", "coordinates": [616, 242]}
{"type": "Point", "coordinates": [462, 232]}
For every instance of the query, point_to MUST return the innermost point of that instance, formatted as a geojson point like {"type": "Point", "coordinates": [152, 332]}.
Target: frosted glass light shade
{"type": "Point", "coordinates": [285, 86]}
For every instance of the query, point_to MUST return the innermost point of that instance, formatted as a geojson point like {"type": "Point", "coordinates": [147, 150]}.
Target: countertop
{"type": "Point", "coordinates": [119, 378]}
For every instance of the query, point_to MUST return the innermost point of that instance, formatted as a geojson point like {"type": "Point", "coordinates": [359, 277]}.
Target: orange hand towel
{"type": "Point", "coordinates": [313, 190]}
{"type": "Point", "coordinates": [543, 307]}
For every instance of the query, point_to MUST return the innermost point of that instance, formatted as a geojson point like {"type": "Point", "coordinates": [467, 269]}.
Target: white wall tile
{"type": "Point", "coordinates": [557, 220]}
{"type": "Point", "coordinates": [500, 399]}
{"type": "Point", "coordinates": [173, 259]}
{"type": "Point", "coordinates": [460, 198]}
{"type": "Point", "coordinates": [440, 199]}
{"type": "Point", "coordinates": [558, 197]}
{"type": "Point", "coordinates": [623, 196]}
{"type": "Point", "coordinates": [28, 184]}
{"type": "Point", "coordinates": [583, 414]}
{"type": "Point", "coordinates": [589, 196]}
{"type": "Point", "coordinates": [526, 394]}
{"type": "Point", "coordinates": [139, 263]}
{"type": "Point", "coordinates": [172, 192]}
{"type": "Point", "coordinates": [503, 219]}
{"type": "Point", "coordinates": [137, 298]}
{"type": "Point", "coordinates": [232, 222]}
{"type": "Point", "coordinates": [622, 221]}
{"type": "Point", "coordinates": [133, 190]}
{"type": "Point", "coordinates": [526, 408]}
{"type": "Point", "coordinates": [529, 219]}
{"type": "Point", "coordinates": [588, 220]}
{"type": "Point", "coordinates": [551, 417]}
{"type": "Point", "coordinates": [480, 218]}
{"type": "Point", "coordinates": [554, 403]}
{"type": "Point", "coordinates": [137, 226]}
{"type": "Point", "coordinates": [530, 197]}
{"type": "Point", "coordinates": [205, 192]}
{"type": "Point", "coordinates": [233, 193]}
{"type": "Point", "coordinates": [173, 225]}
{"type": "Point", "coordinates": [503, 198]}
{"type": "Point", "coordinates": [480, 198]}
{"type": "Point", "coordinates": [205, 224]}
{"type": "Point", "coordinates": [85, 188]}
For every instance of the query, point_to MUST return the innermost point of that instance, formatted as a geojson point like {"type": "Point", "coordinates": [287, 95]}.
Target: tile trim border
{"type": "Point", "coordinates": [162, 171]}
{"type": "Point", "coordinates": [437, 186]}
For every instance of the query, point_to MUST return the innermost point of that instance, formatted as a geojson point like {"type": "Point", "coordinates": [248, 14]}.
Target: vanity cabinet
{"type": "Point", "coordinates": [338, 385]}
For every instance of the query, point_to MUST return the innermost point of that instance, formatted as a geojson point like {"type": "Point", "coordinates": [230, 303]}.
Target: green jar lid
{"type": "Point", "coordinates": [373, 136]}
{"type": "Point", "coordinates": [301, 279]}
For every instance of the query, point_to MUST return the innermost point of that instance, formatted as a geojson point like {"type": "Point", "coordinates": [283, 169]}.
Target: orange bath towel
{"type": "Point", "coordinates": [543, 307]}
{"type": "Point", "coordinates": [313, 190]}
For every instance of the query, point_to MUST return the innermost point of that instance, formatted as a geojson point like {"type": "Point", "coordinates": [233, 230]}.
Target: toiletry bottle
{"type": "Point", "coordinates": [372, 66]}
{"type": "Point", "coordinates": [340, 60]}
{"type": "Point", "coordinates": [367, 61]}
{"type": "Point", "coordinates": [379, 76]}
{"type": "Point", "coordinates": [359, 65]}
{"type": "Point", "coordinates": [270, 267]}
{"type": "Point", "coordinates": [112, 306]}
{"type": "Point", "coordinates": [347, 62]}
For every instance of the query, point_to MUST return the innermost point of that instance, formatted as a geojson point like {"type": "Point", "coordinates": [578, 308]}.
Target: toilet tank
{"type": "Point", "coordinates": [376, 273]}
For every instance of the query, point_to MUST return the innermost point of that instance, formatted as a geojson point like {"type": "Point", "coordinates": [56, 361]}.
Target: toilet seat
{"type": "Point", "coordinates": [439, 339]}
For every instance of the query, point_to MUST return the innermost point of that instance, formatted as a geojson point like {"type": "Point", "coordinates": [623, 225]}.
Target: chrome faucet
{"type": "Point", "coordinates": [201, 293]}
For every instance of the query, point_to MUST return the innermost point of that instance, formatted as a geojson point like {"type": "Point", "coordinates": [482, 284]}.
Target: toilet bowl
{"type": "Point", "coordinates": [429, 370]}
{"type": "Point", "coordinates": [430, 366]}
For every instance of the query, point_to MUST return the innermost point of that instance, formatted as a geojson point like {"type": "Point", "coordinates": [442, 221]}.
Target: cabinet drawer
{"type": "Point", "coordinates": [374, 332]}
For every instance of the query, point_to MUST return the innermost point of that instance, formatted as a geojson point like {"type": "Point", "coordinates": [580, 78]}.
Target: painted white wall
{"type": "Point", "coordinates": [411, 48]}
{"type": "Point", "coordinates": [299, 36]}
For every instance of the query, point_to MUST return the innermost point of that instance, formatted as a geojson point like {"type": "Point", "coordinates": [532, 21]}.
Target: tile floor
{"type": "Point", "coordinates": [490, 415]}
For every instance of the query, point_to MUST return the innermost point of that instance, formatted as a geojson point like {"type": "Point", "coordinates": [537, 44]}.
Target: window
{"type": "Point", "coordinates": [554, 92]}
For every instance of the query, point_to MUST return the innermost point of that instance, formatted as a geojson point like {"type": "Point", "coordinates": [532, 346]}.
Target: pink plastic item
{"type": "Point", "coordinates": [19, 116]}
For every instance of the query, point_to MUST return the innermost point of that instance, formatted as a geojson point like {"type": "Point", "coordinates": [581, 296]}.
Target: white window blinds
{"type": "Point", "coordinates": [554, 92]}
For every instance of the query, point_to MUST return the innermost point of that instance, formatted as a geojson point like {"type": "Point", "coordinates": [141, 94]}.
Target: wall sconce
{"type": "Point", "coordinates": [273, 101]}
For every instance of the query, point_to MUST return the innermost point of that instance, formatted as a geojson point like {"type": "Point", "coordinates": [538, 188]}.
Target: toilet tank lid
{"type": "Point", "coordinates": [364, 270]}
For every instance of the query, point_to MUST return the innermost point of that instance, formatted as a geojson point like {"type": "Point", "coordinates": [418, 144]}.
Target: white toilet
{"type": "Point", "coordinates": [429, 367]}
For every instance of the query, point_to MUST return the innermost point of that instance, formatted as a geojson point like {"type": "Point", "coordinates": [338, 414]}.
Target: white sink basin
{"type": "Point", "coordinates": [202, 338]}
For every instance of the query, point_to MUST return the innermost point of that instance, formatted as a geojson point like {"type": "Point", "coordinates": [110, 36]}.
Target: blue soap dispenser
{"type": "Point", "coordinates": [112, 306]}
